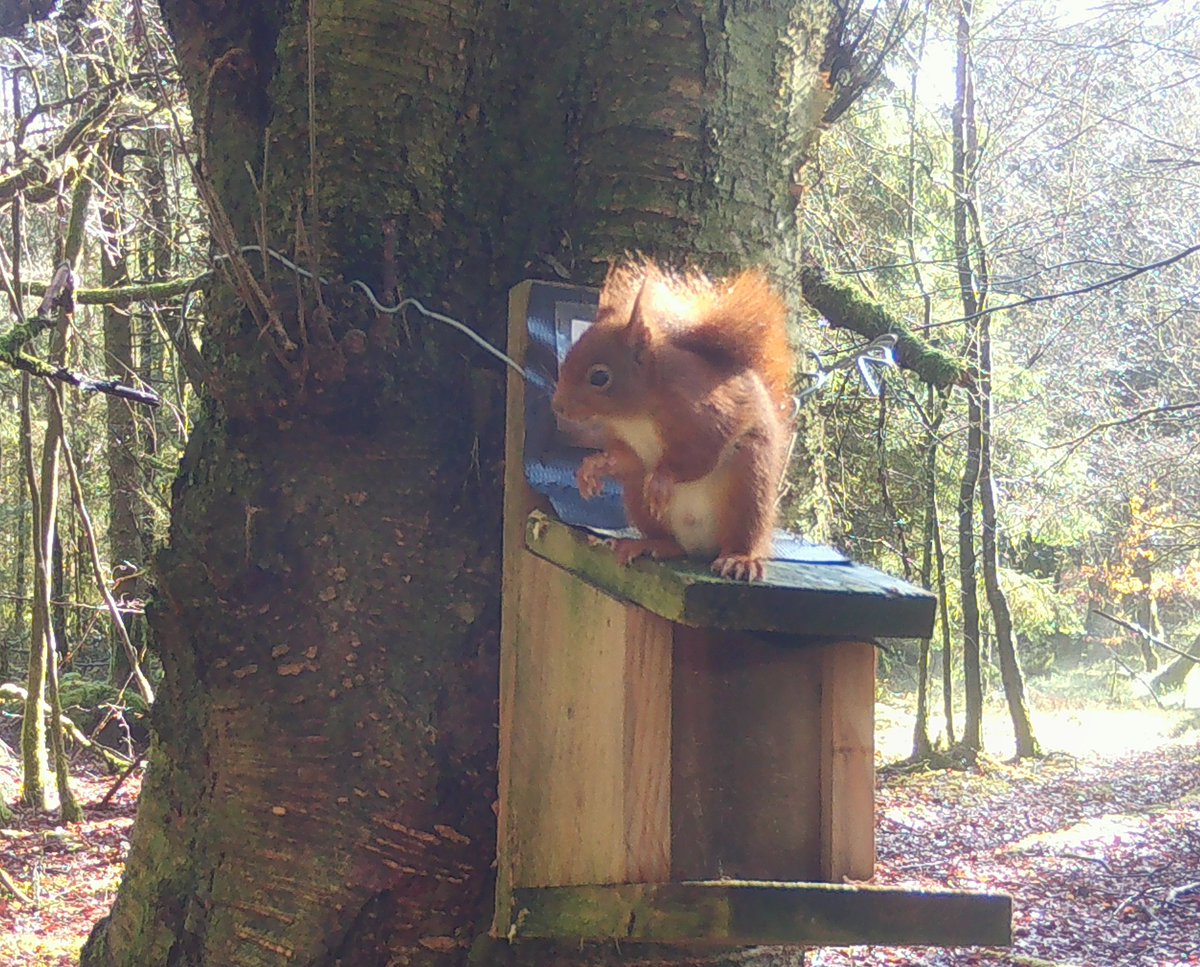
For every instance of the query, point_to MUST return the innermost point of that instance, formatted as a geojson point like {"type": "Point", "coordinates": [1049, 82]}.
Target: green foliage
{"type": "Point", "coordinates": [1042, 616]}
{"type": "Point", "coordinates": [79, 691]}
{"type": "Point", "coordinates": [1053, 219]}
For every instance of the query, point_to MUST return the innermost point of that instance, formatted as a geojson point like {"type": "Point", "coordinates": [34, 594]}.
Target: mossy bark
{"type": "Point", "coordinates": [323, 777]}
{"type": "Point", "coordinates": [846, 308]}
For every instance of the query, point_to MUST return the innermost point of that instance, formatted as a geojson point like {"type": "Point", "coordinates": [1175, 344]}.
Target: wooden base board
{"type": "Point", "coordinates": [740, 914]}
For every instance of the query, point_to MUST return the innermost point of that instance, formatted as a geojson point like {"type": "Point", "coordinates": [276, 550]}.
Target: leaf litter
{"type": "Point", "coordinates": [68, 873]}
{"type": "Point", "coordinates": [1101, 856]}
{"type": "Point", "coordinates": [1100, 853]}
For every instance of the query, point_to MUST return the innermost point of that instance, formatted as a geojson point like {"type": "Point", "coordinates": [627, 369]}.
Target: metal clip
{"type": "Point", "coordinates": [879, 352]}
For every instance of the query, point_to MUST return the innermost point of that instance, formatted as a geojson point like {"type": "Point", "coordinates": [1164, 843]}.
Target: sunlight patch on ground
{"type": "Point", "coordinates": [1097, 832]}
{"type": "Point", "coordinates": [1105, 732]}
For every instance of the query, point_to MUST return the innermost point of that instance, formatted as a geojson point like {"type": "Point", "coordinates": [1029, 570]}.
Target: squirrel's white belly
{"type": "Point", "coordinates": [693, 510]}
{"type": "Point", "coordinates": [692, 514]}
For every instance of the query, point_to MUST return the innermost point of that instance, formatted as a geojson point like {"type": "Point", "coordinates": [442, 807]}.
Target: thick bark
{"type": "Point", "coordinates": [323, 778]}
{"type": "Point", "coordinates": [15, 15]}
{"type": "Point", "coordinates": [17, 604]}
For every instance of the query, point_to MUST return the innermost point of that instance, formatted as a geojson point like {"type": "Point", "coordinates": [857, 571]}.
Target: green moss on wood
{"type": "Point", "coordinates": [800, 599]}
{"type": "Point", "coordinates": [124, 294]}
{"type": "Point", "coordinates": [846, 308]}
{"type": "Point", "coordinates": [746, 914]}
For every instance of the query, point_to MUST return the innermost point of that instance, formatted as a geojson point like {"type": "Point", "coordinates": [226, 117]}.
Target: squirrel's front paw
{"type": "Point", "coordinates": [657, 492]}
{"type": "Point", "coordinates": [629, 550]}
{"type": "Point", "coordinates": [592, 471]}
{"type": "Point", "coordinates": [740, 567]}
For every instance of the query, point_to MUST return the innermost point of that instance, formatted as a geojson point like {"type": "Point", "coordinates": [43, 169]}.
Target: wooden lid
{"type": "Point", "coordinates": [826, 600]}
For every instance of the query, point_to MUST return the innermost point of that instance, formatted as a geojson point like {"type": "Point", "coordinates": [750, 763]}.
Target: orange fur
{"type": "Point", "coordinates": [690, 381]}
{"type": "Point", "coordinates": [741, 320]}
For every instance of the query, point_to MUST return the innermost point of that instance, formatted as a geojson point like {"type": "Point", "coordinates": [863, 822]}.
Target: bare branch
{"type": "Point", "coordinates": [1126, 421]}
{"type": "Point", "coordinates": [1082, 290]}
{"type": "Point", "coordinates": [1144, 634]}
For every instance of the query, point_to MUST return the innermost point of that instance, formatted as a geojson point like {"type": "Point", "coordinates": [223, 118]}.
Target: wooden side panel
{"type": "Point", "coordinates": [648, 640]}
{"type": "Point", "coordinates": [566, 799]}
{"type": "Point", "coordinates": [588, 775]}
{"type": "Point", "coordinates": [518, 501]}
{"type": "Point", "coordinates": [847, 761]}
{"type": "Point", "coordinates": [584, 772]}
{"type": "Point", "coordinates": [745, 801]}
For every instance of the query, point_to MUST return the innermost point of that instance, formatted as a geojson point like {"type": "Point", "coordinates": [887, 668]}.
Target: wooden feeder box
{"type": "Point", "coordinates": [690, 760]}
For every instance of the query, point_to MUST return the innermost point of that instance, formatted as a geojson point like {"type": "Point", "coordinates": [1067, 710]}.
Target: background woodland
{"type": "Point", "coordinates": [1016, 187]}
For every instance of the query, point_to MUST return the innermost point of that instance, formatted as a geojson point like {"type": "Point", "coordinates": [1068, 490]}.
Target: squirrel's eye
{"type": "Point", "coordinates": [599, 376]}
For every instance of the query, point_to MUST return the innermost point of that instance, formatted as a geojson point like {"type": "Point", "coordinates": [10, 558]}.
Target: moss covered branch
{"type": "Point", "coordinates": [111, 758]}
{"type": "Point", "coordinates": [119, 295]}
{"type": "Point", "coordinates": [75, 140]}
{"type": "Point", "coordinates": [846, 308]}
{"type": "Point", "coordinates": [59, 296]}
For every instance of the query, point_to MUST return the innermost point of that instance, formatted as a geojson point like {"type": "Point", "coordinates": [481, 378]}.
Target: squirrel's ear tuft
{"type": "Point", "coordinates": [638, 332]}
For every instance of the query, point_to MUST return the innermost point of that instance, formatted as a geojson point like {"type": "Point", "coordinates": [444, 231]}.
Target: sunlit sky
{"type": "Point", "coordinates": [935, 85]}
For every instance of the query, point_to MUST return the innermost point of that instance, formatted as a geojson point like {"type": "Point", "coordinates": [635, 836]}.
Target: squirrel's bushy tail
{"type": "Point", "coordinates": [738, 323]}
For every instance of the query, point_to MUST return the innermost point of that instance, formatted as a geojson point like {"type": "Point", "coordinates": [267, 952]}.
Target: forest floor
{"type": "Point", "coordinates": [68, 874]}
{"type": "Point", "coordinates": [1099, 848]}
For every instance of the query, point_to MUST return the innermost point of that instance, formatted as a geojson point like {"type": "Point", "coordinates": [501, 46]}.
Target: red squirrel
{"type": "Point", "coordinates": [689, 381]}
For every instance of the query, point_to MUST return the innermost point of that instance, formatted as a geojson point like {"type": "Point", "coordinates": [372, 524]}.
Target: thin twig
{"type": "Point", "coordinates": [1126, 421]}
{"type": "Point", "coordinates": [1145, 635]}
{"type": "Point", "coordinates": [1082, 290]}
{"type": "Point", "coordinates": [120, 781]}
{"type": "Point", "coordinates": [143, 683]}
{"type": "Point", "coordinates": [1137, 678]}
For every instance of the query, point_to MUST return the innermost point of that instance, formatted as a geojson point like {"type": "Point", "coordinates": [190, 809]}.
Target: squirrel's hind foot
{"type": "Point", "coordinates": [740, 567]}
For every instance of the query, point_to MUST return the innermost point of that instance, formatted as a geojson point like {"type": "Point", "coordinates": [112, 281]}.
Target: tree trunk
{"type": "Point", "coordinates": [126, 551]}
{"type": "Point", "coordinates": [47, 581]}
{"type": "Point", "coordinates": [1006, 641]}
{"type": "Point", "coordinates": [933, 576]}
{"type": "Point", "coordinates": [922, 745]}
{"type": "Point", "coordinates": [1145, 609]}
{"type": "Point", "coordinates": [68, 808]}
{"type": "Point", "coordinates": [1175, 672]}
{"type": "Point", "coordinates": [965, 154]}
{"type": "Point", "coordinates": [34, 767]}
{"type": "Point", "coordinates": [323, 778]}
{"type": "Point", "coordinates": [943, 595]}
{"type": "Point", "coordinates": [21, 550]}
